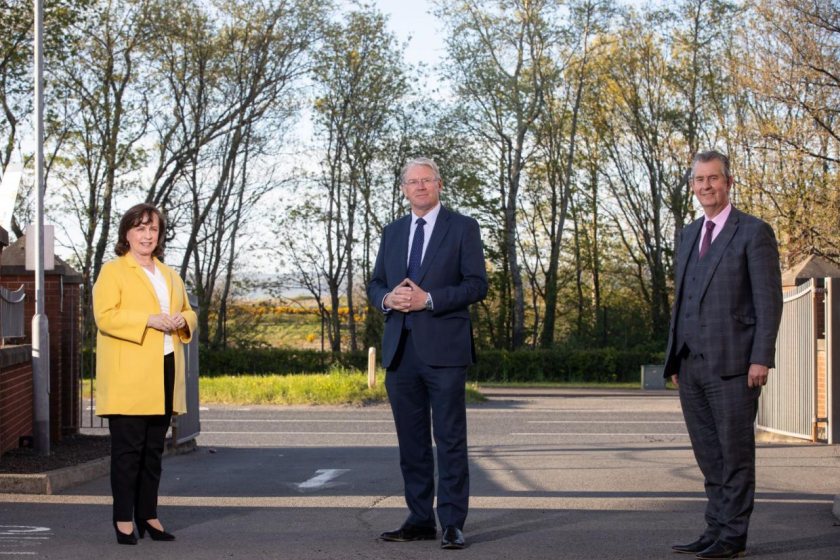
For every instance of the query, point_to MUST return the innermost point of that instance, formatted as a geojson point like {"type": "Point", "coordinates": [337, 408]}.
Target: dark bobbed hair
{"type": "Point", "coordinates": [136, 215]}
{"type": "Point", "coordinates": [712, 155]}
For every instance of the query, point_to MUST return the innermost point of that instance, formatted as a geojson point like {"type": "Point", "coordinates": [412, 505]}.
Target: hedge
{"type": "Point", "coordinates": [232, 361]}
{"type": "Point", "coordinates": [566, 365]}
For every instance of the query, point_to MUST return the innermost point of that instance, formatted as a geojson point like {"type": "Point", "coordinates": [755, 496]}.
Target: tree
{"type": "Point", "coordinates": [107, 115]}
{"type": "Point", "coordinates": [787, 133]}
{"type": "Point", "coordinates": [558, 140]}
{"type": "Point", "coordinates": [229, 90]}
{"type": "Point", "coordinates": [359, 81]}
{"type": "Point", "coordinates": [499, 65]}
{"type": "Point", "coordinates": [16, 67]}
{"type": "Point", "coordinates": [699, 46]}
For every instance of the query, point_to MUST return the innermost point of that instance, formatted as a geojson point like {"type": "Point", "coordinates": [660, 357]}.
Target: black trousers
{"type": "Point", "coordinates": [136, 455]}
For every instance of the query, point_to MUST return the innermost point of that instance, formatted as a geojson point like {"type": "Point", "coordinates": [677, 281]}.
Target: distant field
{"type": "Point", "coordinates": [283, 326]}
{"type": "Point", "coordinates": [292, 331]}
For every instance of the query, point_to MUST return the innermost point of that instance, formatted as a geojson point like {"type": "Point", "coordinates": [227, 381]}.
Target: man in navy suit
{"type": "Point", "coordinates": [722, 343]}
{"type": "Point", "coordinates": [429, 269]}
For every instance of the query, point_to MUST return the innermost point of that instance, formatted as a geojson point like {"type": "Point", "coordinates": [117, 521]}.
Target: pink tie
{"type": "Point", "coordinates": [707, 239]}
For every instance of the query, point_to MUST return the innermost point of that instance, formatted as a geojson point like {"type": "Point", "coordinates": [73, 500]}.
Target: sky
{"type": "Point", "coordinates": [412, 20]}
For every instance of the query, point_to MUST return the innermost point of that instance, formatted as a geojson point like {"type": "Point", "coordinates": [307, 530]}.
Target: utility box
{"type": "Point", "coordinates": [652, 376]}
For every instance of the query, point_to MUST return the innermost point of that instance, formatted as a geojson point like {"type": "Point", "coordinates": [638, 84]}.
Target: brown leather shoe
{"type": "Point", "coordinates": [409, 532]}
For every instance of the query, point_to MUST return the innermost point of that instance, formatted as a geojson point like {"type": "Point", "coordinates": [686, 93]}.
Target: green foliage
{"type": "Point", "coordinates": [555, 365]}
{"type": "Point", "coordinates": [606, 365]}
{"type": "Point", "coordinates": [280, 361]}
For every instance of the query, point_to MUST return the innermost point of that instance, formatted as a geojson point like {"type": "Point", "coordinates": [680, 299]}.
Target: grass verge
{"type": "Point", "coordinates": [340, 387]}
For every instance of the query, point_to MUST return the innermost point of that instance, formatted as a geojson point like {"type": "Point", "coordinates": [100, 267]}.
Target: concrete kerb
{"type": "Point", "coordinates": [52, 482]}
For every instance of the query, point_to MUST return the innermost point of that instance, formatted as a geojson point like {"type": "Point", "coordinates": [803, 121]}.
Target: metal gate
{"type": "Point", "coordinates": [788, 402]}
{"type": "Point", "coordinates": [186, 427]}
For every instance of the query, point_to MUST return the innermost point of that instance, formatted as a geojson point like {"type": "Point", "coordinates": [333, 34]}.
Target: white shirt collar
{"type": "Point", "coordinates": [430, 217]}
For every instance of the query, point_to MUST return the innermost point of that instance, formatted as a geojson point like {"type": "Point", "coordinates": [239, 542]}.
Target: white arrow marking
{"type": "Point", "coordinates": [321, 478]}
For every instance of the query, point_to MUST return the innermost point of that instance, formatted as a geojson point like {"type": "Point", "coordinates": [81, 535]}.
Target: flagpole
{"type": "Point", "coordinates": [40, 325]}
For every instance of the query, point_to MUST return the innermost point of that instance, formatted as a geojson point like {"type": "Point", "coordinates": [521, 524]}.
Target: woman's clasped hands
{"type": "Point", "coordinates": [166, 323]}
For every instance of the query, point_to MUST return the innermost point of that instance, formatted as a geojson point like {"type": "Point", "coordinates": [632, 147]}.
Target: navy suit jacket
{"type": "Point", "coordinates": [741, 296]}
{"type": "Point", "coordinates": [452, 272]}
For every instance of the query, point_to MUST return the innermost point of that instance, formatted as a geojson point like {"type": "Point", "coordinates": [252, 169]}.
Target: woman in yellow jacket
{"type": "Point", "coordinates": [143, 316]}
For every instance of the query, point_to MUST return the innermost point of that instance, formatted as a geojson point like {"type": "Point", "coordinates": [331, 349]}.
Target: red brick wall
{"type": "Point", "coordinates": [61, 305]}
{"type": "Point", "coordinates": [15, 404]}
{"type": "Point", "coordinates": [70, 359]}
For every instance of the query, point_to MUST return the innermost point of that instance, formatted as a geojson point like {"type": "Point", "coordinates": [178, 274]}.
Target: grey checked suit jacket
{"type": "Point", "coordinates": [741, 296]}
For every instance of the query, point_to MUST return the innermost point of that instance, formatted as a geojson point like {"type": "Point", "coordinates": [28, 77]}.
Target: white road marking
{"type": "Point", "coordinates": [322, 478]}
{"type": "Point", "coordinates": [19, 530]}
{"type": "Point", "coordinates": [23, 534]}
{"type": "Point", "coordinates": [622, 434]}
{"type": "Point", "coordinates": [636, 502]}
{"type": "Point", "coordinates": [204, 433]}
{"type": "Point", "coordinates": [617, 423]}
{"type": "Point", "coordinates": [302, 420]}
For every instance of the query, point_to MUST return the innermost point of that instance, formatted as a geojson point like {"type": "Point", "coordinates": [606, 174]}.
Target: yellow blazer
{"type": "Point", "coordinates": [129, 355]}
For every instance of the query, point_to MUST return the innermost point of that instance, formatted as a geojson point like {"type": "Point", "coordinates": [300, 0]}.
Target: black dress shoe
{"type": "Point", "coordinates": [156, 534]}
{"type": "Point", "coordinates": [409, 532]}
{"type": "Point", "coordinates": [453, 538]}
{"type": "Point", "coordinates": [699, 545]}
{"type": "Point", "coordinates": [722, 549]}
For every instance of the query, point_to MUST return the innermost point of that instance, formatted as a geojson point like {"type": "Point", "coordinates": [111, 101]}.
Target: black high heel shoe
{"type": "Point", "coordinates": [125, 538]}
{"type": "Point", "coordinates": [156, 534]}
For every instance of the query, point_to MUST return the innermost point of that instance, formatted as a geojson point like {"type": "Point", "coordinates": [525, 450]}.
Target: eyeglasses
{"type": "Point", "coordinates": [426, 181]}
{"type": "Point", "coordinates": [702, 180]}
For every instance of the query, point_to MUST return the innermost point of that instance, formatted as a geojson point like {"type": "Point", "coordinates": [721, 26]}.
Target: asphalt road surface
{"type": "Point", "coordinates": [555, 474]}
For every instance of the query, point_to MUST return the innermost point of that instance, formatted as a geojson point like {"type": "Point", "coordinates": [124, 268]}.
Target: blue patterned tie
{"type": "Point", "coordinates": [415, 258]}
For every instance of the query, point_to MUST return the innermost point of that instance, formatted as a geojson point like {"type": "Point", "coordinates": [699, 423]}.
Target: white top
{"type": "Point", "coordinates": [162, 291]}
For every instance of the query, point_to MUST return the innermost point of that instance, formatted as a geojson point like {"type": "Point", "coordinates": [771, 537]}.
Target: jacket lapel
{"type": "Point", "coordinates": [718, 247]}
{"type": "Point", "coordinates": [400, 251]}
{"type": "Point", "coordinates": [140, 274]}
{"type": "Point", "coordinates": [690, 239]}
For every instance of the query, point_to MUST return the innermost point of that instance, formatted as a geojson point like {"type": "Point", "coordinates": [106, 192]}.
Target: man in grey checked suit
{"type": "Point", "coordinates": [722, 342]}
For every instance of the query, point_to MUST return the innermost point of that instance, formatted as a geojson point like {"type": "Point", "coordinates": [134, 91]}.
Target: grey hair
{"type": "Point", "coordinates": [711, 155]}
{"type": "Point", "coordinates": [424, 161]}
